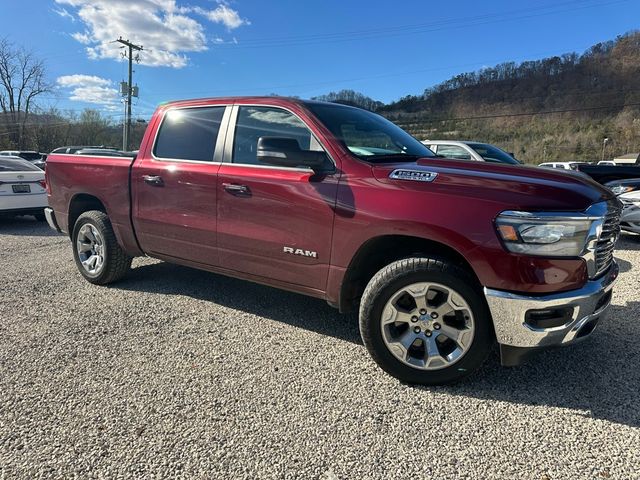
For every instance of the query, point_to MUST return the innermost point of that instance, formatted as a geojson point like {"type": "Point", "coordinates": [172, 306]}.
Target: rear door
{"type": "Point", "coordinates": [274, 222]}
{"type": "Point", "coordinates": [174, 185]}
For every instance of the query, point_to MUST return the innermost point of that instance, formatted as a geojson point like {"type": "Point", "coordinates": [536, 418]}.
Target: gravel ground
{"type": "Point", "coordinates": [181, 373]}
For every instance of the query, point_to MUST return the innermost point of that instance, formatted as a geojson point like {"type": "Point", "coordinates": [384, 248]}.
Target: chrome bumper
{"type": "Point", "coordinates": [51, 219]}
{"type": "Point", "coordinates": [589, 304]}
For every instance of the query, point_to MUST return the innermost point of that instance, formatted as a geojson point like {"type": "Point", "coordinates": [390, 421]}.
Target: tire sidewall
{"type": "Point", "coordinates": [83, 220]}
{"type": "Point", "coordinates": [371, 328]}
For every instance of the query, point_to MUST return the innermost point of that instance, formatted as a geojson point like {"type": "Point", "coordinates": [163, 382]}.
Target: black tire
{"type": "Point", "coordinates": [116, 262]}
{"type": "Point", "coordinates": [40, 217]}
{"type": "Point", "coordinates": [405, 272]}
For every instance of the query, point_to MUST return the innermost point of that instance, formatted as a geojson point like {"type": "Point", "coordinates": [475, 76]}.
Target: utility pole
{"type": "Point", "coordinates": [127, 128]}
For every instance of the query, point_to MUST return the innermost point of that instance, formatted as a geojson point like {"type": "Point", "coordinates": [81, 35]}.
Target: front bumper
{"type": "Point", "coordinates": [514, 334]}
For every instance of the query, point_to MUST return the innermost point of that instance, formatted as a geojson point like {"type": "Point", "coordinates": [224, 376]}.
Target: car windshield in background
{"type": "Point", "coordinates": [492, 154]}
{"type": "Point", "coordinates": [30, 155]}
{"type": "Point", "coordinates": [11, 165]}
{"type": "Point", "coordinates": [367, 135]}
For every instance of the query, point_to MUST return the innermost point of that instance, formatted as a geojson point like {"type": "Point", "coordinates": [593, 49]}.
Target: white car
{"type": "Point", "coordinates": [560, 165]}
{"type": "Point", "coordinates": [630, 219]}
{"type": "Point", "coordinates": [478, 151]}
{"type": "Point", "coordinates": [22, 188]}
{"type": "Point", "coordinates": [628, 192]}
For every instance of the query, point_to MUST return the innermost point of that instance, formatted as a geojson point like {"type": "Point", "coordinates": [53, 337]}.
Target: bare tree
{"type": "Point", "coordinates": [22, 80]}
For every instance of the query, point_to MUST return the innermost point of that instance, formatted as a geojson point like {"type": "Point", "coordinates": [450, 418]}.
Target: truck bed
{"type": "Point", "coordinates": [79, 179]}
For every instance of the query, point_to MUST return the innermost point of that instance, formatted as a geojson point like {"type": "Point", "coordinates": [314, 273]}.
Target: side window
{"type": "Point", "coordinates": [189, 133]}
{"type": "Point", "coordinates": [256, 122]}
{"type": "Point", "coordinates": [453, 151]}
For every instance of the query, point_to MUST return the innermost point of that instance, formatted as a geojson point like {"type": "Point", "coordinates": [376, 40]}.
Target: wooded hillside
{"type": "Point", "coordinates": [558, 108]}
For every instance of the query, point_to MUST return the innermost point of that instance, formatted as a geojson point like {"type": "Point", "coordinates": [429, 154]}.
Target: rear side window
{"type": "Point", "coordinates": [189, 134]}
{"type": "Point", "coordinates": [453, 151]}
{"type": "Point", "coordinates": [8, 165]}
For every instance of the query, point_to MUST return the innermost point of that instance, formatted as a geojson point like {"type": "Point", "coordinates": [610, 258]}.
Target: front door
{"type": "Point", "coordinates": [274, 222]}
{"type": "Point", "coordinates": [174, 186]}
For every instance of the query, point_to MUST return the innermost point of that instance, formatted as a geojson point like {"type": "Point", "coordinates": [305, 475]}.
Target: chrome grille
{"type": "Point", "coordinates": [607, 241]}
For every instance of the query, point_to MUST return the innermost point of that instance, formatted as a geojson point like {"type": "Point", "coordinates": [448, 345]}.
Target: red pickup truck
{"type": "Point", "coordinates": [443, 257]}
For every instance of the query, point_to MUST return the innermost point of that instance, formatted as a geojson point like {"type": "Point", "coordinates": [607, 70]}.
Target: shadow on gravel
{"type": "Point", "coordinates": [598, 378]}
{"type": "Point", "coordinates": [26, 226]}
{"type": "Point", "coordinates": [629, 241]}
{"type": "Point", "coordinates": [286, 307]}
{"type": "Point", "coordinates": [624, 265]}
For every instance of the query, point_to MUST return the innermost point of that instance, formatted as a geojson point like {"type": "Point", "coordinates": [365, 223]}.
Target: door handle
{"type": "Point", "coordinates": [155, 180]}
{"type": "Point", "coordinates": [238, 190]}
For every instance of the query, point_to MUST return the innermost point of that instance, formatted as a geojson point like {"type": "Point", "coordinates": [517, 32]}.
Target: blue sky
{"type": "Point", "coordinates": [197, 48]}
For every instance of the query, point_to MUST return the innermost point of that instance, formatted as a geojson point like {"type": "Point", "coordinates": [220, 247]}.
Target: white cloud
{"type": "Point", "coordinates": [224, 14]}
{"type": "Point", "coordinates": [166, 30]}
{"type": "Point", "coordinates": [64, 14]}
{"type": "Point", "coordinates": [79, 79]}
{"type": "Point", "coordinates": [90, 89]}
{"type": "Point", "coordinates": [83, 38]}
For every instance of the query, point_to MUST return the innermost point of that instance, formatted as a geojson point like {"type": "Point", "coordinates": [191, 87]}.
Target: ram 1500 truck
{"type": "Point", "coordinates": [443, 257]}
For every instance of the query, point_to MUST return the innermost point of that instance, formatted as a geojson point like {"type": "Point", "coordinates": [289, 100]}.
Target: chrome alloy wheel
{"type": "Point", "coordinates": [90, 247]}
{"type": "Point", "coordinates": [427, 326]}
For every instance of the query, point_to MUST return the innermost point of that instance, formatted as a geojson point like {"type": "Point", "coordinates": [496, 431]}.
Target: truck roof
{"type": "Point", "coordinates": [246, 99]}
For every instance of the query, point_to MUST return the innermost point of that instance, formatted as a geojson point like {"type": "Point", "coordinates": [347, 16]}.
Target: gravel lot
{"type": "Point", "coordinates": [181, 373]}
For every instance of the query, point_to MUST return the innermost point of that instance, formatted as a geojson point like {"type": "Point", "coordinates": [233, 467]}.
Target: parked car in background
{"type": "Point", "coordinates": [22, 188]}
{"type": "Point", "coordinates": [34, 157]}
{"type": "Point", "coordinates": [463, 150]}
{"type": "Point", "coordinates": [562, 165]}
{"type": "Point", "coordinates": [628, 192]}
{"type": "Point", "coordinates": [608, 173]}
{"type": "Point", "coordinates": [441, 256]}
{"type": "Point", "coordinates": [74, 149]}
{"type": "Point", "coordinates": [607, 162]}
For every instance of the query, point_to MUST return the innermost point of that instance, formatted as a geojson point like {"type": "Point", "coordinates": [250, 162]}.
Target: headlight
{"type": "Point", "coordinates": [620, 189]}
{"type": "Point", "coordinates": [543, 234]}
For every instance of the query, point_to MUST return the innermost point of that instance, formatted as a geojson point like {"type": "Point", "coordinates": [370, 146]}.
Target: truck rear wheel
{"type": "Point", "coordinates": [96, 251]}
{"type": "Point", "coordinates": [424, 321]}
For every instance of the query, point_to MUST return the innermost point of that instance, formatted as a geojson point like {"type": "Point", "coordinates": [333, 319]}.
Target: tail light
{"type": "Point", "coordinates": [43, 184]}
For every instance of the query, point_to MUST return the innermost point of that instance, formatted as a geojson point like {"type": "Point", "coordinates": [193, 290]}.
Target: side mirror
{"type": "Point", "coordinates": [286, 152]}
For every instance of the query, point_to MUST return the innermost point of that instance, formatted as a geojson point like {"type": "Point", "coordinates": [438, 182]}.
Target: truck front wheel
{"type": "Point", "coordinates": [424, 321]}
{"type": "Point", "coordinates": [96, 251]}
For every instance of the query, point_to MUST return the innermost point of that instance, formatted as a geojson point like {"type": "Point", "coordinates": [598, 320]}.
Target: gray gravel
{"type": "Point", "coordinates": [181, 373]}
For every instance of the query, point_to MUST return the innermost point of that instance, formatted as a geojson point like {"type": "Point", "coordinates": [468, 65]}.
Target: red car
{"type": "Point", "coordinates": [442, 257]}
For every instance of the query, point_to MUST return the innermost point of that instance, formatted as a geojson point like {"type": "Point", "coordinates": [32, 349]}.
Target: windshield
{"type": "Point", "coordinates": [493, 154]}
{"type": "Point", "coordinates": [30, 155]}
{"type": "Point", "coordinates": [367, 135]}
{"type": "Point", "coordinates": [11, 165]}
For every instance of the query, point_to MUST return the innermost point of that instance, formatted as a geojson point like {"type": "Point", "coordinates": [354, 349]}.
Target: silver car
{"type": "Point", "coordinates": [463, 150]}
{"type": "Point", "coordinates": [628, 192]}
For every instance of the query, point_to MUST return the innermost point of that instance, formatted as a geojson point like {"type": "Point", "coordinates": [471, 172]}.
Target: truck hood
{"type": "Point", "coordinates": [514, 186]}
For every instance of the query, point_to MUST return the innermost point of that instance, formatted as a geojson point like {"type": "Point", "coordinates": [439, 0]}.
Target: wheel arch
{"type": "Point", "coordinates": [380, 251]}
{"type": "Point", "coordinates": [80, 203]}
